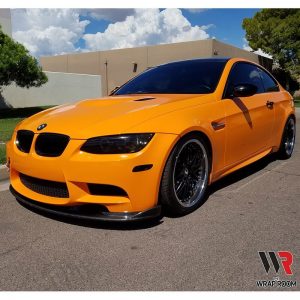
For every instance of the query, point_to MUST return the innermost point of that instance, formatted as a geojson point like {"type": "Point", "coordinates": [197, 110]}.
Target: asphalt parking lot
{"type": "Point", "coordinates": [214, 248]}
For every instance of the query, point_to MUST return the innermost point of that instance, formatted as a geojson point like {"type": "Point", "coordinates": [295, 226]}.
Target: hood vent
{"type": "Point", "coordinates": [145, 99]}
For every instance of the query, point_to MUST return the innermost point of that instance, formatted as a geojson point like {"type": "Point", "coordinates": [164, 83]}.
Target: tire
{"type": "Point", "coordinates": [185, 177]}
{"type": "Point", "coordinates": [288, 139]}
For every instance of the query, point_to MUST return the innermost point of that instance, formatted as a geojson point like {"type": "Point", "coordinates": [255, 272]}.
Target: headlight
{"type": "Point", "coordinates": [117, 144]}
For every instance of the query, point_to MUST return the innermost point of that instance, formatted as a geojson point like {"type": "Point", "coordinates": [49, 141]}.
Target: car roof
{"type": "Point", "coordinates": [208, 59]}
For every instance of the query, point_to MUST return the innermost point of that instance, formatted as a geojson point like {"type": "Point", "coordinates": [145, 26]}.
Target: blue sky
{"type": "Point", "coordinates": [228, 23]}
{"type": "Point", "coordinates": [58, 31]}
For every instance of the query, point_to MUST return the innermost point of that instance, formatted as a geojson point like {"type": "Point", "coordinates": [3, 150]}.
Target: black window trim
{"type": "Point", "coordinates": [255, 65]}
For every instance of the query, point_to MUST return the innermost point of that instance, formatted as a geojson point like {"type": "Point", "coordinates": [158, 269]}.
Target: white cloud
{"type": "Point", "coordinates": [108, 14]}
{"type": "Point", "coordinates": [206, 27]}
{"type": "Point", "coordinates": [259, 51]}
{"type": "Point", "coordinates": [58, 31]}
{"type": "Point", "coordinates": [196, 10]}
{"type": "Point", "coordinates": [48, 31]}
{"type": "Point", "coordinates": [146, 27]}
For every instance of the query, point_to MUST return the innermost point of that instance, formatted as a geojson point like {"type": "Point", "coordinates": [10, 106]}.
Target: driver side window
{"type": "Point", "coordinates": [243, 73]}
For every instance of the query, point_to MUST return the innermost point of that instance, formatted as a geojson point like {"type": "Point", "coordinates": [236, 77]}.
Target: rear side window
{"type": "Point", "coordinates": [269, 83]}
{"type": "Point", "coordinates": [242, 73]}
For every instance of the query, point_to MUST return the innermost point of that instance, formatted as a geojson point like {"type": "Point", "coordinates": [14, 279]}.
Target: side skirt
{"type": "Point", "coordinates": [240, 165]}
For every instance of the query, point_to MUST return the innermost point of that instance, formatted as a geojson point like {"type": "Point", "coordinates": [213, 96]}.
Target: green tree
{"type": "Point", "coordinates": [286, 80]}
{"type": "Point", "coordinates": [277, 32]}
{"type": "Point", "coordinates": [17, 65]}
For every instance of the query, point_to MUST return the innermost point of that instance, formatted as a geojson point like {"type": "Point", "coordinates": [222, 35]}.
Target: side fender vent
{"type": "Point", "coordinates": [145, 99]}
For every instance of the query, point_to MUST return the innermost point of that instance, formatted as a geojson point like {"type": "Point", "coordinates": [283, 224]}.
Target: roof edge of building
{"type": "Point", "coordinates": [139, 47]}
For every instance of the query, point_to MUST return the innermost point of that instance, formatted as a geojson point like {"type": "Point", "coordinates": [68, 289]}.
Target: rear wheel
{"type": "Point", "coordinates": [288, 139]}
{"type": "Point", "coordinates": [185, 177]}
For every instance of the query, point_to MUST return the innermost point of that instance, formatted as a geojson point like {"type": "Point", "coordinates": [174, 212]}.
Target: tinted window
{"type": "Point", "coordinates": [269, 83]}
{"type": "Point", "coordinates": [242, 73]}
{"type": "Point", "coordinates": [186, 77]}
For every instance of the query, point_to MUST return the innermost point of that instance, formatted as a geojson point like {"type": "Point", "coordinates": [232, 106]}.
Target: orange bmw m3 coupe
{"type": "Point", "coordinates": [157, 142]}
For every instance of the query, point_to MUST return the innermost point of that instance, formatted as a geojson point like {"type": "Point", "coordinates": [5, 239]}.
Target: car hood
{"type": "Point", "coordinates": [110, 115]}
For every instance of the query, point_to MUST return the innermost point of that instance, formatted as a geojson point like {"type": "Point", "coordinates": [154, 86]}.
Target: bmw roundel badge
{"type": "Point", "coordinates": [42, 126]}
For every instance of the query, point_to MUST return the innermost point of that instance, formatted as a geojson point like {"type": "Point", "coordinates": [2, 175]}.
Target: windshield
{"type": "Point", "coordinates": [185, 77]}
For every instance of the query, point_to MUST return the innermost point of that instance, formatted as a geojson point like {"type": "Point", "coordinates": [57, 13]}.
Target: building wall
{"type": "Point", "coordinates": [84, 64]}
{"type": "Point", "coordinates": [160, 54]}
{"type": "Point", "coordinates": [5, 20]}
{"type": "Point", "coordinates": [60, 88]}
{"type": "Point", "coordinates": [225, 50]}
{"type": "Point", "coordinates": [57, 63]}
{"type": "Point", "coordinates": [117, 66]}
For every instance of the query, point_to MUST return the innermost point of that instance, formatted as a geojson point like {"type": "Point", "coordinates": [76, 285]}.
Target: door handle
{"type": "Point", "coordinates": [270, 104]}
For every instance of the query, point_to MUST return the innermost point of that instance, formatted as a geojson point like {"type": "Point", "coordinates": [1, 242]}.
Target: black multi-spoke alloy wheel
{"type": "Point", "coordinates": [185, 177]}
{"type": "Point", "coordinates": [288, 139]}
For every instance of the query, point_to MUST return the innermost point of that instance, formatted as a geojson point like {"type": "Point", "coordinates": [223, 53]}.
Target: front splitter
{"type": "Point", "coordinates": [77, 213]}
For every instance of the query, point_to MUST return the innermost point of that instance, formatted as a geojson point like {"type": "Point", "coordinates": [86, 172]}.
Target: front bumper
{"type": "Point", "coordinates": [77, 169]}
{"type": "Point", "coordinates": [79, 214]}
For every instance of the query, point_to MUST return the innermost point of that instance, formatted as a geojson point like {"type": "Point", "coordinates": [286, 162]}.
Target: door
{"type": "Point", "coordinates": [249, 120]}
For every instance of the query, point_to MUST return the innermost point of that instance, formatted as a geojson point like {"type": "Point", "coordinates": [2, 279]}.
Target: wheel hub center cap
{"type": "Point", "coordinates": [186, 172]}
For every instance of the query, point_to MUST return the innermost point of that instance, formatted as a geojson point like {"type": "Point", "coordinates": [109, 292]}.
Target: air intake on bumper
{"type": "Point", "coordinates": [45, 187]}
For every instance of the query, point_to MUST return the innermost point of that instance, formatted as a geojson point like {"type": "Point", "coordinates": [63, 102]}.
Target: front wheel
{"type": "Point", "coordinates": [288, 139]}
{"type": "Point", "coordinates": [185, 177]}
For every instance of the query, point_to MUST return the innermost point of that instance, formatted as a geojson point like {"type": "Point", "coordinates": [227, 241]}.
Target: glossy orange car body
{"type": "Point", "coordinates": [246, 131]}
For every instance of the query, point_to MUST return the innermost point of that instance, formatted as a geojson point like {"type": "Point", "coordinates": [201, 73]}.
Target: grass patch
{"type": "Point", "coordinates": [2, 154]}
{"type": "Point", "coordinates": [9, 118]}
{"type": "Point", "coordinates": [297, 101]}
{"type": "Point", "coordinates": [7, 127]}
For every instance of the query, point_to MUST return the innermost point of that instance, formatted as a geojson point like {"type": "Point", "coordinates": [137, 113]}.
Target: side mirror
{"type": "Point", "coordinates": [244, 90]}
{"type": "Point", "coordinates": [113, 91]}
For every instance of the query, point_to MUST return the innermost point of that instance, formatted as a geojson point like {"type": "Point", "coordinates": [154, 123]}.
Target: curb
{"type": "Point", "coordinates": [4, 175]}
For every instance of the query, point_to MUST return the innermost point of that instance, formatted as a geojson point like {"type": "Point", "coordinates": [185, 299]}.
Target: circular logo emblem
{"type": "Point", "coordinates": [42, 126]}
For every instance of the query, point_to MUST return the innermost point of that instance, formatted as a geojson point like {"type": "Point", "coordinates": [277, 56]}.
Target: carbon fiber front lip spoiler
{"type": "Point", "coordinates": [69, 212]}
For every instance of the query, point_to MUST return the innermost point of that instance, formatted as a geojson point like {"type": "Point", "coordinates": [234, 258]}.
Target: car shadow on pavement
{"type": "Point", "coordinates": [235, 177]}
{"type": "Point", "coordinates": [139, 225]}
{"type": "Point", "coordinates": [242, 173]}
